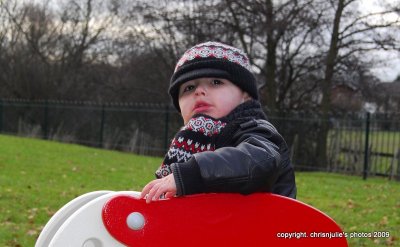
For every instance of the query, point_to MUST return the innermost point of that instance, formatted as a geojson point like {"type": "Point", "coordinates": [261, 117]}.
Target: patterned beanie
{"type": "Point", "coordinates": [213, 59]}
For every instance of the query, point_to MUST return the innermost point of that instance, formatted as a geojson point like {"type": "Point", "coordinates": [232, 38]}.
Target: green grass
{"type": "Point", "coordinates": [38, 177]}
{"type": "Point", "coordinates": [356, 205]}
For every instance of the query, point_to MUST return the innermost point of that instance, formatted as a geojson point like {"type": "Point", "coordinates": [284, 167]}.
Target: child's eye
{"type": "Point", "coordinates": [188, 88]}
{"type": "Point", "coordinates": [216, 82]}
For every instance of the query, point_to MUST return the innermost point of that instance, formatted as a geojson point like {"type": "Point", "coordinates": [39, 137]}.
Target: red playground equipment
{"type": "Point", "coordinates": [106, 218]}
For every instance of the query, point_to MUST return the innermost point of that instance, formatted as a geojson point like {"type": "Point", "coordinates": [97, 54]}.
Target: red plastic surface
{"type": "Point", "coordinates": [222, 220]}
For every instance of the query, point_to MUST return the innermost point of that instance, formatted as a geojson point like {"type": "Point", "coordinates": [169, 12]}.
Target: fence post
{"type": "Point", "coordinates": [366, 148]}
{"type": "Point", "coordinates": [1, 115]}
{"type": "Point", "coordinates": [166, 142]}
{"type": "Point", "coordinates": [398, 165]}
{"type": "Point", "coordinates": [102, 122]}
{"type": "Point", "coordinates": [46, 119]}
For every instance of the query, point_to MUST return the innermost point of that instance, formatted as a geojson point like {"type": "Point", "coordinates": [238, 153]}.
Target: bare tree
{"type": "Point", "coordinates": [277, 37]}
{"type": "Point", "coordinates": [26, 29]}
{"type": "Point", "coordinates": [53, 48]}
{"type": "Point", "coordinates": [351, 34]}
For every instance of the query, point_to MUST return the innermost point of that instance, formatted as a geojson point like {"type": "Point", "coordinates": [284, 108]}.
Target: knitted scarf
{"type": "Point", "coordinates": [204, 133]}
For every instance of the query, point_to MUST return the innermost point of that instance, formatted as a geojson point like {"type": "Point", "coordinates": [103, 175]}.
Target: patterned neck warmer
{"type": "Point", "coordinates": [198, 135]}
{"type": "Point", "coordinates": [204, 133]}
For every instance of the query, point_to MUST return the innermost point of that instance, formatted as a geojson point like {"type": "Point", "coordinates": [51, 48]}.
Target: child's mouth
{"type": "Point", "coordinates": [201, 107]}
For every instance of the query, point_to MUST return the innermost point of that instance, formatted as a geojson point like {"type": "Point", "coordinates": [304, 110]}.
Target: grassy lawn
{"type": "Point", "coordinates": [38, 177]}
{"type": "Point", "coordinates": [356, 205]}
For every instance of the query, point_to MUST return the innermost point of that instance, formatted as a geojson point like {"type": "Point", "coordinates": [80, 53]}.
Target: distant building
{"type": "Point", "coordinates": [346, 98]}
{"type": "Point", "coordinates": [388, 97]}
{"type": "Point", "coordinates": [371, 95]}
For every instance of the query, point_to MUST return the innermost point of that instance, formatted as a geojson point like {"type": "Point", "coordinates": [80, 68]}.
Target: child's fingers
{"type": "Point", "coordinates": [161, 190]}
{"type": "Point", "coordinates": [158, 187]}
{"type": "Point", "coordinates": [147, 188]}
{"type": "Point", "coordinates": [156, 191]}
{"type": "Point", "coordinates": [170, 194]}
{"type": "Point", "coordinates": [152, 192]}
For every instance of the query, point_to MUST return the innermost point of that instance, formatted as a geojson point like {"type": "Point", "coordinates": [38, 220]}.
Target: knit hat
{"type": "Point", "coordinates": [213, 59]}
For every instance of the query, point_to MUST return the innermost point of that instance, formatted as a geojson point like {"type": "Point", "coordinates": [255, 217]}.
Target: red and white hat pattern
{"type": "Point", "coordinates": [215, 50]}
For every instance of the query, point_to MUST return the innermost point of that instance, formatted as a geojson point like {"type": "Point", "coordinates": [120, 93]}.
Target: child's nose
{"type": "Point", "coordinates": [200, 90]}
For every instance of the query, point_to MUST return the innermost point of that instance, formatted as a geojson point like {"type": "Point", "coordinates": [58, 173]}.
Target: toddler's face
{"type": "Point", "coordinates": [212, 96]}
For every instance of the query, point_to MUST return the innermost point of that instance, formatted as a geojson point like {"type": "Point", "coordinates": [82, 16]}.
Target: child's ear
{"type": "Point", "coordinates": [246, 97]}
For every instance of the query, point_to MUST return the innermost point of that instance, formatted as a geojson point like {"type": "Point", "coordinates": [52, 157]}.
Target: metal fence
{"type": "Point", "coordinates": [139, 128]}
{"type": "Point", "coordinates": [361, 144]}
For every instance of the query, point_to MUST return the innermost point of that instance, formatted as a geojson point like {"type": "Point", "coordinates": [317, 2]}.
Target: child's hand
{"type": "Point", "coordinates": [158, 187]}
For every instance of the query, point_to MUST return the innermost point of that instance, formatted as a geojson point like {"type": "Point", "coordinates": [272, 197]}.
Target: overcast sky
{"type": "Point", "coordinates": [389, 70]}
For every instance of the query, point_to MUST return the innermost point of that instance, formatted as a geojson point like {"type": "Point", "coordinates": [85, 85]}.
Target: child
{"type": "Point", "coordinates": [226, 143]}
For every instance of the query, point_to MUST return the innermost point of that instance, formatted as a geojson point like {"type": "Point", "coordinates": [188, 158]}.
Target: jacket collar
{"type": "Point", "coordinates": [250, 109]}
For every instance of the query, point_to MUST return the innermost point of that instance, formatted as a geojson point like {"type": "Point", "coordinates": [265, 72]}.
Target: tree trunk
{"type": "Point", "coordinates": [268, 93]}
{"type": "Point", "coordinates": [321, 151]}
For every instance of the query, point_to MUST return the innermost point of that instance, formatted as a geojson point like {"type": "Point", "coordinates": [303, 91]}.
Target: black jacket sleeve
{"type": "Point", "coordinates": [256, 161]}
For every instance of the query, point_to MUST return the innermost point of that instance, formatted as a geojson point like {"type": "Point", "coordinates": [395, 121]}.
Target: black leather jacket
{"type": "Point", "coordinates": [256, 161]}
